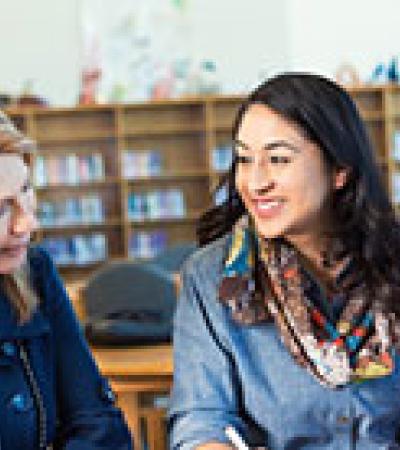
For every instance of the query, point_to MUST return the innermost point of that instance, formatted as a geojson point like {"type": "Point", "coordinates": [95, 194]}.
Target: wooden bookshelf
{"type": "Point", "coordinates": [184, 134]}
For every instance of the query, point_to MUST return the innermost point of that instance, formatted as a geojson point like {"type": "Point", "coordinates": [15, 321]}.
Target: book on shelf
{"type": "Point", "coordinates": [137, 164]}
{"type": "Point", "coordinates": [70, 169]}
{"type": "Point", "coordinates": [72, 175]}
{"type": "Point", "coordinates": [396, 188]}
{"type": "Point", "coordinates": [71, 211]}
{"type": "Point", "coordinates": [156, 204]}
{"type": "Point", "coordinates": [55, 173]}
{"type": "Point", "coordinates": [147, 244]}
{"type": "Point", "coordinates": [77, 249]}
{"type": "Point", "coordinates": [40, 177]}
{"type": "Point", "coordinates": [396, 146]}
{"type": "Point", "coordinates": [221, 157]}
{"type": "Point", "coordinates": [97, 164]}
{"type": "Point", "coordinates": [220, 195]}
{"type": "Point", "coordinates": [91, 209]}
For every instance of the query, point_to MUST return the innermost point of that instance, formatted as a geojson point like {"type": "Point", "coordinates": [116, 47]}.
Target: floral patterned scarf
{"type": "Point", "coordinates": [356, 347]}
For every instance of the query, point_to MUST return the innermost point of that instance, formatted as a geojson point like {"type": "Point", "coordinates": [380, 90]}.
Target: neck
{"type": "Point", "coordinates": [311, 246]}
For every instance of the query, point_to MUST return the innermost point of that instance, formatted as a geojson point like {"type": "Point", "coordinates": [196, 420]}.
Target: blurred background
{"type": "Point", "coordinates": [46, 44]}
{"type": "Point", "coordinates": [131, 103]}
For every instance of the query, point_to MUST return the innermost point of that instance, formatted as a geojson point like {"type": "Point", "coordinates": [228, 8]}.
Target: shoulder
{"type": "Point", "coordinates": [41, 268]}
{"type": "Point", "coordinates": [45, 278]}
{"type": "Point", "coordinates": [205, 265]}
{"type": "Point", "coordinates": [40, 262]}
{"type": "Point", "coordinates": [210, 257]}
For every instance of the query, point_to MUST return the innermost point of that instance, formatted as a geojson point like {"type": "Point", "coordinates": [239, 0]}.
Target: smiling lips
{"type": "Point", "coordinates": [267, 208]}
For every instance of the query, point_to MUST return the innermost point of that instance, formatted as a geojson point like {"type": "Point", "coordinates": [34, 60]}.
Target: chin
{"type": "Point", "coordinates": [268, 230]}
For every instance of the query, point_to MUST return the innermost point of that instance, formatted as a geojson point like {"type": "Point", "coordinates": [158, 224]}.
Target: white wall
{"type": "Point", "coordinates": [248, 39]}
{"type": "Point", "coordinates": [323, 34]}
{"type": "Point", "coordinates": [39, 39]}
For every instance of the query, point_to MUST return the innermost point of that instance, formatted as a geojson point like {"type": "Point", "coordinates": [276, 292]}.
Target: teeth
{"type": "Point", "coordinates": [267, 205]}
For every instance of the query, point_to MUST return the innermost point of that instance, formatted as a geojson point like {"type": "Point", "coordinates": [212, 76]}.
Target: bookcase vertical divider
{"type": "Point", "coordinates": [388, 110]}
{"type": "Point", "coordinates": [210, 139]}
{"type": "Point", "coordinates": [123, 186]}
{"type": "Point", "coordinates": [30, 130]}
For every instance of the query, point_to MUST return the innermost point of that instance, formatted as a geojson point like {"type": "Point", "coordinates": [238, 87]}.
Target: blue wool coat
{"type": "Point", "coordinates": [79, 404]}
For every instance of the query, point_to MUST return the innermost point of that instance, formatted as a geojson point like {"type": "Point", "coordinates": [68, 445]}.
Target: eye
{"type": "Point", "coordinates": [241, 159]}
{"type": "Point", "coordinates": [280, 159]}
{"type": "Point", "coordinates": [5, 207]}
{"type": "Point", "coordinates": [26, 187]}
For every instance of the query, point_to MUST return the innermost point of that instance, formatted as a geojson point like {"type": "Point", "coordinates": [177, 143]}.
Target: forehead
{"type": "Point", "coordinates": [262, 123]}
{"type": "Point", "coordinates": [13, 173]}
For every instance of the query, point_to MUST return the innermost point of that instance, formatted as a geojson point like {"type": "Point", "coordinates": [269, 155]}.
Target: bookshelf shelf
{"type": "Point", "coordinates": [82, 226]}
{"type": "Point", "coordinates": [371, 116]}
{"type": "Point", "coordinates": [164, 130]}
{"type": "Point", "coordinates": [76, 138]}
{"type": "Point", "coordinates": [80, 186]}
{"type": "Point", "coordinates": [88, 265]}
{"type": "Point", "coordinates": [168, 177]}
{"type": "Point", "coordinates": [153, 158]}
{"type": "Point", "coordinates": [226, 127]}
{"type": "Point", "coordinates": [189, 217]}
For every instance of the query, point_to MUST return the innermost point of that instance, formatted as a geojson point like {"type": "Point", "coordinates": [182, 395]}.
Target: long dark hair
{"type": "Point", "coordinates": [365, 219]}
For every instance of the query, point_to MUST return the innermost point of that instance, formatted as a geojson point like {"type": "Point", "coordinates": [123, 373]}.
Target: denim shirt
{"type": "Point", "coordinates": [242, 375]}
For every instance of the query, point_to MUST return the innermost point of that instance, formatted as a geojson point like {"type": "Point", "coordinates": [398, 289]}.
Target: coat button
{"type": "Point", "coordinates": [8, 348]}
{"type": "Point", "coordinates": [108, 394]}
{"type": "Point", "coordinates": [343, 420]}
{"type": "Point", "coordinates": [20, 403]}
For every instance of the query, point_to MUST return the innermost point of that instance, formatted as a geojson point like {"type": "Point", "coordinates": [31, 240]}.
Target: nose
{"type": "Point", "coordinates": [24, 220]}
{"type": "Point", "coordinates": [260, 178]}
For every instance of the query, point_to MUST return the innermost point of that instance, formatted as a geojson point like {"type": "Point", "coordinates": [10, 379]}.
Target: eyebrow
{"type": "Point", "coordinates": [269, 146]}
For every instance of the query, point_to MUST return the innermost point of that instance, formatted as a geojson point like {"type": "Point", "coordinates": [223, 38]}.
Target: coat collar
{"type": "Point", "coordinates": [38, 324]}
{"type": "Point", "coordinates": [11, 330]}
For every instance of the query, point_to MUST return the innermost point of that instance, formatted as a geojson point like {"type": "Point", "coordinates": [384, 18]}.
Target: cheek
{"type": "Point", "coordinates": [9, 266]}
{"type": "Point", "coordinates": [240, 181]}
{"type": "Point", "coordinates": [309, 176]}
{"type": "Point", "coordinates": [312, 192]}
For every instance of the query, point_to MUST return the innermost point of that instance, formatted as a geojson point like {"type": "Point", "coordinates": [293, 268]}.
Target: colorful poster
{"type": "Point", "coordinates": [137, 49]}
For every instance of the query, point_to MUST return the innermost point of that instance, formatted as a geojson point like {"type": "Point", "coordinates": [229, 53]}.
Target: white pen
{"type": "Point", "coordinates": [235, 438]}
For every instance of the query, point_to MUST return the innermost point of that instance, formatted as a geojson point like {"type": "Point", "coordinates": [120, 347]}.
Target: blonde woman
{"type": "Point", "coordinates": [51, 393]}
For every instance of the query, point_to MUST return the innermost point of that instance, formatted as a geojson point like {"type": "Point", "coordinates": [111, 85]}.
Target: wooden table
{"type": "Point", "coordinates": [135, 371]}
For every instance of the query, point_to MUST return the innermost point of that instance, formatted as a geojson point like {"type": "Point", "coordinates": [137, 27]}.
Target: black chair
{"type": "Point", "coordinates": [129, 303]}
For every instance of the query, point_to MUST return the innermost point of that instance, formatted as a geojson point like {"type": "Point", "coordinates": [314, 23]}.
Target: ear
{"type": "Point", "coordinates": [340, 178]}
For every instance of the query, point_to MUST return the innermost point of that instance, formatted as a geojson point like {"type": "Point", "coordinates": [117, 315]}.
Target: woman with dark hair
{"type": "Point", "coordinates": [287, 328]}
{"type": "Point", "coordinates": [51, 393]}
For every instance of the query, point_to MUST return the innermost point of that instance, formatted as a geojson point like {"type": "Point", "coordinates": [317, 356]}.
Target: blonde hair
{"type": "Point", "coordinates": [17, 285]}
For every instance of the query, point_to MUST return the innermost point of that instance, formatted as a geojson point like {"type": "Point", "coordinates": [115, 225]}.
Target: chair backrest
{"type": "Point", "coordinates": [172, 259]}
{"type": "Point", "coordinates": [128, 300]}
